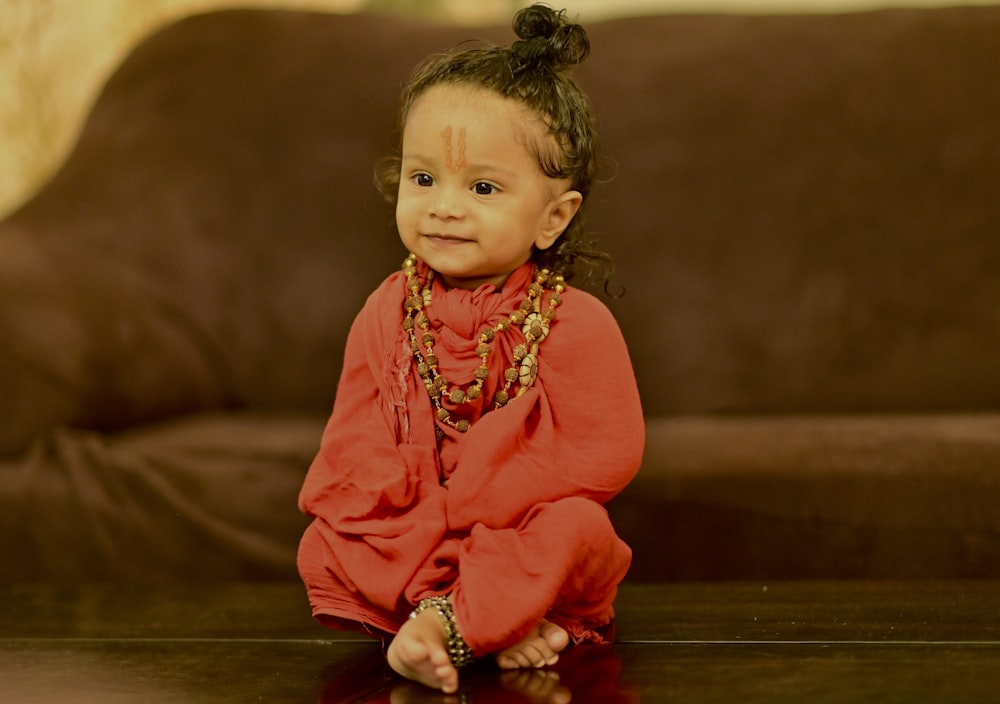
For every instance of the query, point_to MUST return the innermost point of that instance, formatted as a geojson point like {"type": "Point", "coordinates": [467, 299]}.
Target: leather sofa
{"type": "Point", "coordinates": [803, 211]}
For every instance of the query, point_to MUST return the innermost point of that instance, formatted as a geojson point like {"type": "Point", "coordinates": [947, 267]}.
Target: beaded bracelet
{"type": "Point", "coordinates": [458, 650]}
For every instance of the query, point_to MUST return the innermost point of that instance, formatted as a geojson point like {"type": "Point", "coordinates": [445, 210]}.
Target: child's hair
{"type": "Point", "coordinates": [533, 70]}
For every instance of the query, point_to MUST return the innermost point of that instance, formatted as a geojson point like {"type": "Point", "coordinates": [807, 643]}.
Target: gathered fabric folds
{"type": "Point", "coordinates": [508, 517]}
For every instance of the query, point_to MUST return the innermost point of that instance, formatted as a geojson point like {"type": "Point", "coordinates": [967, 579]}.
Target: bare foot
{"type": "Point", "coordinates": [539, 686]}
{"type": "Point", "coordinates": [418, 653]}
{"type": "Point", "coordinates": [539, 648]}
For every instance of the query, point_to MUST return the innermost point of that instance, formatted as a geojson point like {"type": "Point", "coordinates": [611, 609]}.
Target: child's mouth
{"type": "Point", "coordinates": [447, 240]}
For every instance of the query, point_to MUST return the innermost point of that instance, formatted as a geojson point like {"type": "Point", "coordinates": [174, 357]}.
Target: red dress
{"type": "Point", "coordinates": [519, 532]}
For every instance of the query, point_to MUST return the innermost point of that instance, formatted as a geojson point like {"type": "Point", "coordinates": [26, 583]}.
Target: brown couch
{"type": "Point", "coordinates": [805, 218]}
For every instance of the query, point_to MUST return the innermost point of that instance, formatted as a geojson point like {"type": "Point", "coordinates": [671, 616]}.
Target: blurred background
{"type": "Point", "coordinates": [56, 54]}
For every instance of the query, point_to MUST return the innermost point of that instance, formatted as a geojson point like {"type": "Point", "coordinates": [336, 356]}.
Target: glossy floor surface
{"type": "Point", "coordinates": [779, 642]}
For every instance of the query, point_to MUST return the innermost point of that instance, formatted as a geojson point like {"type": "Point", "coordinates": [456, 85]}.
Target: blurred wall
{"type": "Point", "coordinates": [55, 55]}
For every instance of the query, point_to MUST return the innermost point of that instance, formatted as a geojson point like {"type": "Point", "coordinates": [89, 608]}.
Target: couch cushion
{"type": "Point", "coordinates": [834, 496]}
{"type": "Point", "coordinates": [209, 497]}
{"type": "Point", "coordinates": [214, 497]}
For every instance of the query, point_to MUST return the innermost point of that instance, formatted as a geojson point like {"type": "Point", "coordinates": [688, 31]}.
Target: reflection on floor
{"type": "Point", "coordinates": [784, 642]}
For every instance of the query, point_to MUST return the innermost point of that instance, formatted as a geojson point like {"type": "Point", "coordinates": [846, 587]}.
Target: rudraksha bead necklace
{"type": "Point", "coordinates": [524, 368]}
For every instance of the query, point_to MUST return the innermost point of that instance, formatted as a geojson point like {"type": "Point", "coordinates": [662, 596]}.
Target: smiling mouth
{"type": "Point", "coordinates": [447, 239]}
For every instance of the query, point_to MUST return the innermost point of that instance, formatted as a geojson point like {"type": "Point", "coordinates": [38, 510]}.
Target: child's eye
{"type": "Point", "coordinates": [423, 180]}
{"type": "Point", "coordinates": [484, 189]}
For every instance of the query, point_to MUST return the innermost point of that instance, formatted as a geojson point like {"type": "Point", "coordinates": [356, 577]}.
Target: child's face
{"type": "Point", "coordinates": [473, 200]}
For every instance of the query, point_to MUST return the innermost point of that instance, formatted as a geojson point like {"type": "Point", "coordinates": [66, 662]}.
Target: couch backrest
{"type": "Point", "coordinates": [803, 211]}
{"type": "Point", "coordinates": [806, 210]}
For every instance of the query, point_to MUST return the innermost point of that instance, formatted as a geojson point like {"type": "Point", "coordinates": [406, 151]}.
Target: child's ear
{"type": "Point", "coordinates": [561, 212]}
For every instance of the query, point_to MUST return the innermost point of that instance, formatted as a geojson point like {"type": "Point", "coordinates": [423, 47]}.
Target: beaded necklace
{"type": "Point", "coordinates": [529, 315]}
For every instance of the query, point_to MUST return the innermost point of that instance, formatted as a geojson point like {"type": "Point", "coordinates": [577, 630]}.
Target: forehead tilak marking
{"type": "Point", "coordinates": [450, 161]}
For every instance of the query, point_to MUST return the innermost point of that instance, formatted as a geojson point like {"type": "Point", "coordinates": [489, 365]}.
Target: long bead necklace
{"type": "Point", "coordinates": [529, 315]}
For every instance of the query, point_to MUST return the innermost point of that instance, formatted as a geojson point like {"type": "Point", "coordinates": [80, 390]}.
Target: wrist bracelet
{"type": "Point", "coordinates": [458, 650]}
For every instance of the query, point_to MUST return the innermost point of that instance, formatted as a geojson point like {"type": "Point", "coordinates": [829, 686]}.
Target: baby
{"type": "Point", "coordinates": [487, 410]}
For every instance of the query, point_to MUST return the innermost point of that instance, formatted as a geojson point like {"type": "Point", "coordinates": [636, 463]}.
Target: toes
{"type": "Point", "coordinates": [524, 656]}
{"type": "Point", "coordinates": [416, 654]}
{"type": "Point", "coordinates": [506, 662]}
{"type": "Point", "coordinates": [519, 658]}
{"type": "Point", "coordinates": [449, 683]}
{"type": "Point", "coordinates": [440, 659]}
{"type": "Point", "coordinates": [448, 679]}
{"type": "Point", "coordinates": [539, 652]}
{"type": "Point", "coordinates": [405, 656]}
{"type": "Point", "coordinates": [539, 655]}
{"type": "Point", "coordinates": [540, 649]}
{"type": "Point", "coordinates": [555, 636]}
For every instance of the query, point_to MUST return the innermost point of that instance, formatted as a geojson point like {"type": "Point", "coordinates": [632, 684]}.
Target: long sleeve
{"type": "Point", "coordinates": [373, 487]}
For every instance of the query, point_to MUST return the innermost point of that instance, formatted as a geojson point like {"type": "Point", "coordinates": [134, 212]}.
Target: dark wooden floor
{"type": "Point", "coordinates": [777, 642]}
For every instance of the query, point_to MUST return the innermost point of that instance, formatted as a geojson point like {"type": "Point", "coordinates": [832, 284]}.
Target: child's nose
{"type": "Point", "coordinates": [447, 204]}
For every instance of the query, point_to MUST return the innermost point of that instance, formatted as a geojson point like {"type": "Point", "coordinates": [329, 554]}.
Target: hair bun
{"type": "Point", "coordinates": [546, 37]}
